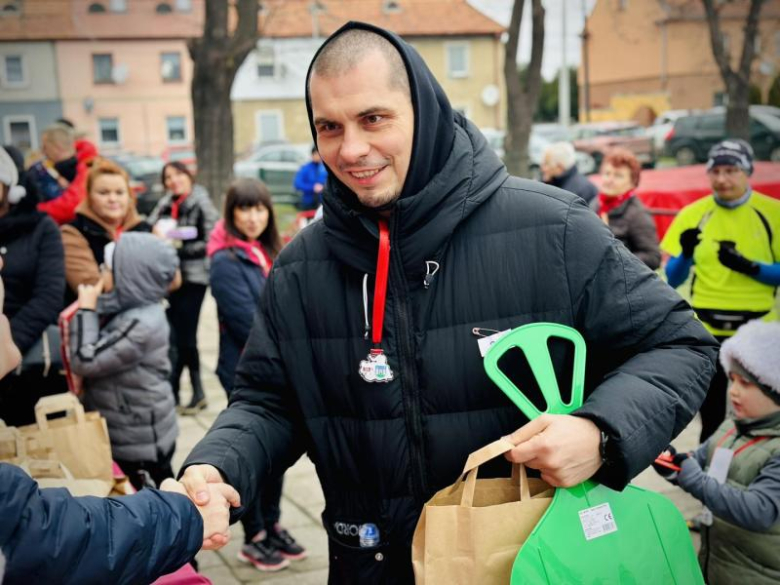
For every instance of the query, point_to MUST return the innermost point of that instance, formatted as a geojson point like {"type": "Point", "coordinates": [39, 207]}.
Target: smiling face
{"type": "Point", "coordinates": [109, 198]}
{"type": "Point", "coordinates": [251, 221]}
{"type": "Point", "coordinates": [365, 129]}
{"type": "Point", "coordinates": [176, 181]}
{"type": "Point", "coordinates": [747, 399]}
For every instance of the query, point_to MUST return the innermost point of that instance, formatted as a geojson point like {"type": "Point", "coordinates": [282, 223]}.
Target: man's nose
{"type": "Point", "coordinates": [355, 146]}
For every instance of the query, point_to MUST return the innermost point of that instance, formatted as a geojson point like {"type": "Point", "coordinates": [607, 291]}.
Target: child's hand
{"type": "Point", "coordinates": [89, 293]}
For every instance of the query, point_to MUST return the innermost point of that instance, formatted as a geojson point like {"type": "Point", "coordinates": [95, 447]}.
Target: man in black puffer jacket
{"type": "Point", "coordinates": [469, 247]}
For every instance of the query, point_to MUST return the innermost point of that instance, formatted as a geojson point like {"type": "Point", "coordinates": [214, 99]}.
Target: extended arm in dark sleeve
{"type": "Point", "coordinates": [755, 508]}
{"type": "Point", "coordinates": [650, 361]}
{"type": "Point", "coordinates": [45, 302]}
{"type": "Point", "coordinates": [260, 433]}
{"type": "Point", "coordinates": [49, 536]}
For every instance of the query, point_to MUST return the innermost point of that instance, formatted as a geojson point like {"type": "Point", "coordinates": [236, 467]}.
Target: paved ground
{"type": "Point", "coordinates": [302, 501]}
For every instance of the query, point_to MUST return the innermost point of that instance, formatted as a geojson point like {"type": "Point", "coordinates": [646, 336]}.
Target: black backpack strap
{"type": "Point", "coordinates": [768, 229]}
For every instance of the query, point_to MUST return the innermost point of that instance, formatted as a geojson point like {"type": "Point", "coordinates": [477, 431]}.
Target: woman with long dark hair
{"type": "Point", "coordinates": [186, 215]}
{"type": "Point", "coordinates": [242, 249]}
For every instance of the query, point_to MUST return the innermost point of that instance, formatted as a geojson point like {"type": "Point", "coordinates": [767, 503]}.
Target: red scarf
{"type": "Point", "coordinates": [176, 203]}
{"type": "Point", "coordinates": [609, 202]}
{"type": "Point", "coordinates": [221, 239]}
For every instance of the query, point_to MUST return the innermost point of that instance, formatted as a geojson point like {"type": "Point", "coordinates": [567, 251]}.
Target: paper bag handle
{"type": "Point", "coordinates": [67, 403]}
{"type": "Point", "coordinates": [45, 468]}
{"type": "Point", "coordinates": [12, 435]}
{"type": "Point", "coordinates": [485, 454]}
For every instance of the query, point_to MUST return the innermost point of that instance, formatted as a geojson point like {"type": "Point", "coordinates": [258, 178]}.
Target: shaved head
{"type": "Point", "coordinates": [347, 50]}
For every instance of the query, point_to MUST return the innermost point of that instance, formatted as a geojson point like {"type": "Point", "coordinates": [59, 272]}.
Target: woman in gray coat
{"type": "Point", "coordinates": [119, 344]}
{"type": "Point", "coordinates": [186, 216]}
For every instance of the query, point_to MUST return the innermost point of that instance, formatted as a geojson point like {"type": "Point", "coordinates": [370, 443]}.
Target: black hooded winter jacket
{"type": "Point", "coordinates": [510, 252]}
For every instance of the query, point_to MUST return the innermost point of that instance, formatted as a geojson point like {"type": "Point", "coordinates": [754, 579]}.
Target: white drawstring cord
{"type": "Point", "coordinates": [365, 305]}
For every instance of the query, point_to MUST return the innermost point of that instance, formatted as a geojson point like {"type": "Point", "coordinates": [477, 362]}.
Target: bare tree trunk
{"type": "Point", "coordinates": [522, 98]}
{"type": "Point", "coordinates": [217, 55]}
{"type": "Point", "coordinates": [737, 81]}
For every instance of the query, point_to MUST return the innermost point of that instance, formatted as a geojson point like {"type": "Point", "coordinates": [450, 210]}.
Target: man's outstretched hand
{"type": "Point", "coordinates": [204, 485]}
{"type": "Point", "coordinates": [565, 448]}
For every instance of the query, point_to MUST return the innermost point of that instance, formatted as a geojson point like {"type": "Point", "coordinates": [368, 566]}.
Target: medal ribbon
{"type": "Point", "coordinates": [380, 289]}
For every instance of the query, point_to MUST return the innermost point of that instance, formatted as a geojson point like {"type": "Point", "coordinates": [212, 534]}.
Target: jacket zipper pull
{"type": "Point", "coordinates": [431, 268]}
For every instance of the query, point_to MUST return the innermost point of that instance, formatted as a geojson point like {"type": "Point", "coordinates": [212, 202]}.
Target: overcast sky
{"type": "Point", "coordinates": [501, 11]}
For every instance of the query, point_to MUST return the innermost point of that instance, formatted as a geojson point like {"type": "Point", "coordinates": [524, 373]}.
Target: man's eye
{"type": "Point", "coordinates": [326, 127]}
{"type": "Point", "coordinates": [374, 118]}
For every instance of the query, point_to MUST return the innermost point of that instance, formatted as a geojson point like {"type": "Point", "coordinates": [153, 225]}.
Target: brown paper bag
{"type": "Point", "coordinates": [79, 440]}
{"type": "Point", "coordinates": [53, 474]}
{"type": "Point", "coordinates": [472, 531]}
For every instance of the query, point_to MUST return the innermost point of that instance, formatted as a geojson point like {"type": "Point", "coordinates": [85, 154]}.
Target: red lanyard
{"type": "Point", "coordinates": [380, 290]}
{"type": "Point", "coordinates": [118, 232]}
{"type": "Point", "coordinates": [175, 206]}
{"type": "Point", "coordinates": [743, 447]}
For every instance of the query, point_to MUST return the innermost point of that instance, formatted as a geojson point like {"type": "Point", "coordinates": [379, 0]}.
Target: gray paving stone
{"type": "Point", "coordinates": [220, 575]}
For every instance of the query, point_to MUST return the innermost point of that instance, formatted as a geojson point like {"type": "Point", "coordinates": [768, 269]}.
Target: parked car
{"type": "Point", "coordinates": [145, 178]}
{"type": "Point", "coordinates": [663, 123]}
{"type": "Point", "coordinates": [536, 145]}
{"type": "Point", "coordinates": [691, 138]}
{"type": "Point", "coordinates": [275, 164]}
{"type": "Point", "coordinates": [596, 138]}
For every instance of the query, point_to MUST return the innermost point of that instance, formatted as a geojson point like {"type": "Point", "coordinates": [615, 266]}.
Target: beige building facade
{"type": "Point", "coordinates": [639, 49]}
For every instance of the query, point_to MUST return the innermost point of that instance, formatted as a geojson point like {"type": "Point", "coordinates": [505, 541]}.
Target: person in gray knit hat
{"type": "Point", "coordinates": [736, 472]}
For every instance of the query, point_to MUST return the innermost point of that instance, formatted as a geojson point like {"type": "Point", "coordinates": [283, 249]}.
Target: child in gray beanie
{"type": "Point", "coordinates": [736, 472]}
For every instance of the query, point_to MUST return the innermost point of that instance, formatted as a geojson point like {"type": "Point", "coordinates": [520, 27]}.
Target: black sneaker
{"type": "Point", "coordinates": [285, 544]}
{"type": "Point", "coordinates": [263, 556]}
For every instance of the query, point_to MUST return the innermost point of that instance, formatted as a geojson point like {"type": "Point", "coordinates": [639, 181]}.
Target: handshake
{"type": "Point", "coordinates": [203, 484]}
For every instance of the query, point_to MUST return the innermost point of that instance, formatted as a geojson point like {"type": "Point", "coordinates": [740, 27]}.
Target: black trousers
{"type": "Point", "coordinates": [157, 470]}
{"type": "Point", "coordinates": [264, 511]}
{"type": "Point", "coordinates": [183, 317]}
{"type": "Point", "coordinates": [713, 410]}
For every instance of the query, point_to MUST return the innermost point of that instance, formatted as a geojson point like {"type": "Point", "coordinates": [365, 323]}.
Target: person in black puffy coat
{"type": "Point", "coordinates": [385, 390]}
{"type": "Point", "coordinates": [31, 248]}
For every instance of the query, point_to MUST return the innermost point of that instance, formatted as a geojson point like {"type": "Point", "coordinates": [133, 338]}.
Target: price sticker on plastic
{"type": "Point", "coordinates": [597, 521]}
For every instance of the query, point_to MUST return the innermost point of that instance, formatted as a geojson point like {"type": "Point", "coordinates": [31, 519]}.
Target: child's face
{"type": "Point", "coordinates": [747, 399]}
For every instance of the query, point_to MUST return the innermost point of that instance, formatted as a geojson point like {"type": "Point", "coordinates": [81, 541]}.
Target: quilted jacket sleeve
{"type": "Point", "coordinates": [48, 536]}
{"type": "Point", "coordinates": [261, 432]}
{"type": "Point", "coordinates": [94, 354]}
{"type": "Point", "coordinates": [651, 359]}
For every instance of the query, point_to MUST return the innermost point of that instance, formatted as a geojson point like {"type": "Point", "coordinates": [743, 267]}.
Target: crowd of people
{"type": "Point", "coordinates": [356, 342]}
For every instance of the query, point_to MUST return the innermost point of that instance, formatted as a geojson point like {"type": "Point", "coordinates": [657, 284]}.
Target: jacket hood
{"type": "Point", "coordinates": [434, 127]}
{"type": "Point", "coordinates": [144, 267]}
{"type": "Point", "coordinates": [452, 171]}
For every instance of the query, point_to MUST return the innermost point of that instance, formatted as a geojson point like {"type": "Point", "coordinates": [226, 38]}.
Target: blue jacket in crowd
{"type": "Point", "coordinates": [236, 284]}
{"type": "Point", "coordinates": [309, 175]}
{"type": "Point", "coordinates": [48, 536]}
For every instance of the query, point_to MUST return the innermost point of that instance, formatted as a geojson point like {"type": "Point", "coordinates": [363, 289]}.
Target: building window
{"type": "Point", "coordinates": [13, 8]}
{"type": "Point", "coordinates": [269, 126]}
{"type": "Point", "coordinates": [266, 62]}
{"type": "Point", "coordinates": [15, 71]}
{"type": "Point", "coordinates": [96, 8]}
{"type": "Point", "coordinates": [163, 8]}
{"type": "Point", "coordinates": [177, 129]}
{"type": "Point", "coordinates": [117, 5]}
{"type": "Point", "coordinates": [184, 5]}
{"type": "Point", "coordinates": [102, 67]}
{"type": "Point", "coordinates": [170, 66]}
{"type": "Point", "coordinates": [109, 131]}
{"type": "Point", "coordinates": [20, 132]}
{"type": "Point", "coordinates": [457, 59]}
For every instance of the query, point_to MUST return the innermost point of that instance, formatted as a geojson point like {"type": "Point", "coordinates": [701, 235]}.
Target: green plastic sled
{"type": "Point", "coordinates": [590, 533]}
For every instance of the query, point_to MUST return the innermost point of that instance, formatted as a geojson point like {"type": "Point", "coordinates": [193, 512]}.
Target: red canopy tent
{"type": "Point", "coordinates": [665, 191]}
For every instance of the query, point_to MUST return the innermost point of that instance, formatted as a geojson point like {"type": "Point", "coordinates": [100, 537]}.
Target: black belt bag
{"type": "Point", "coordinates": [727, 320]}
